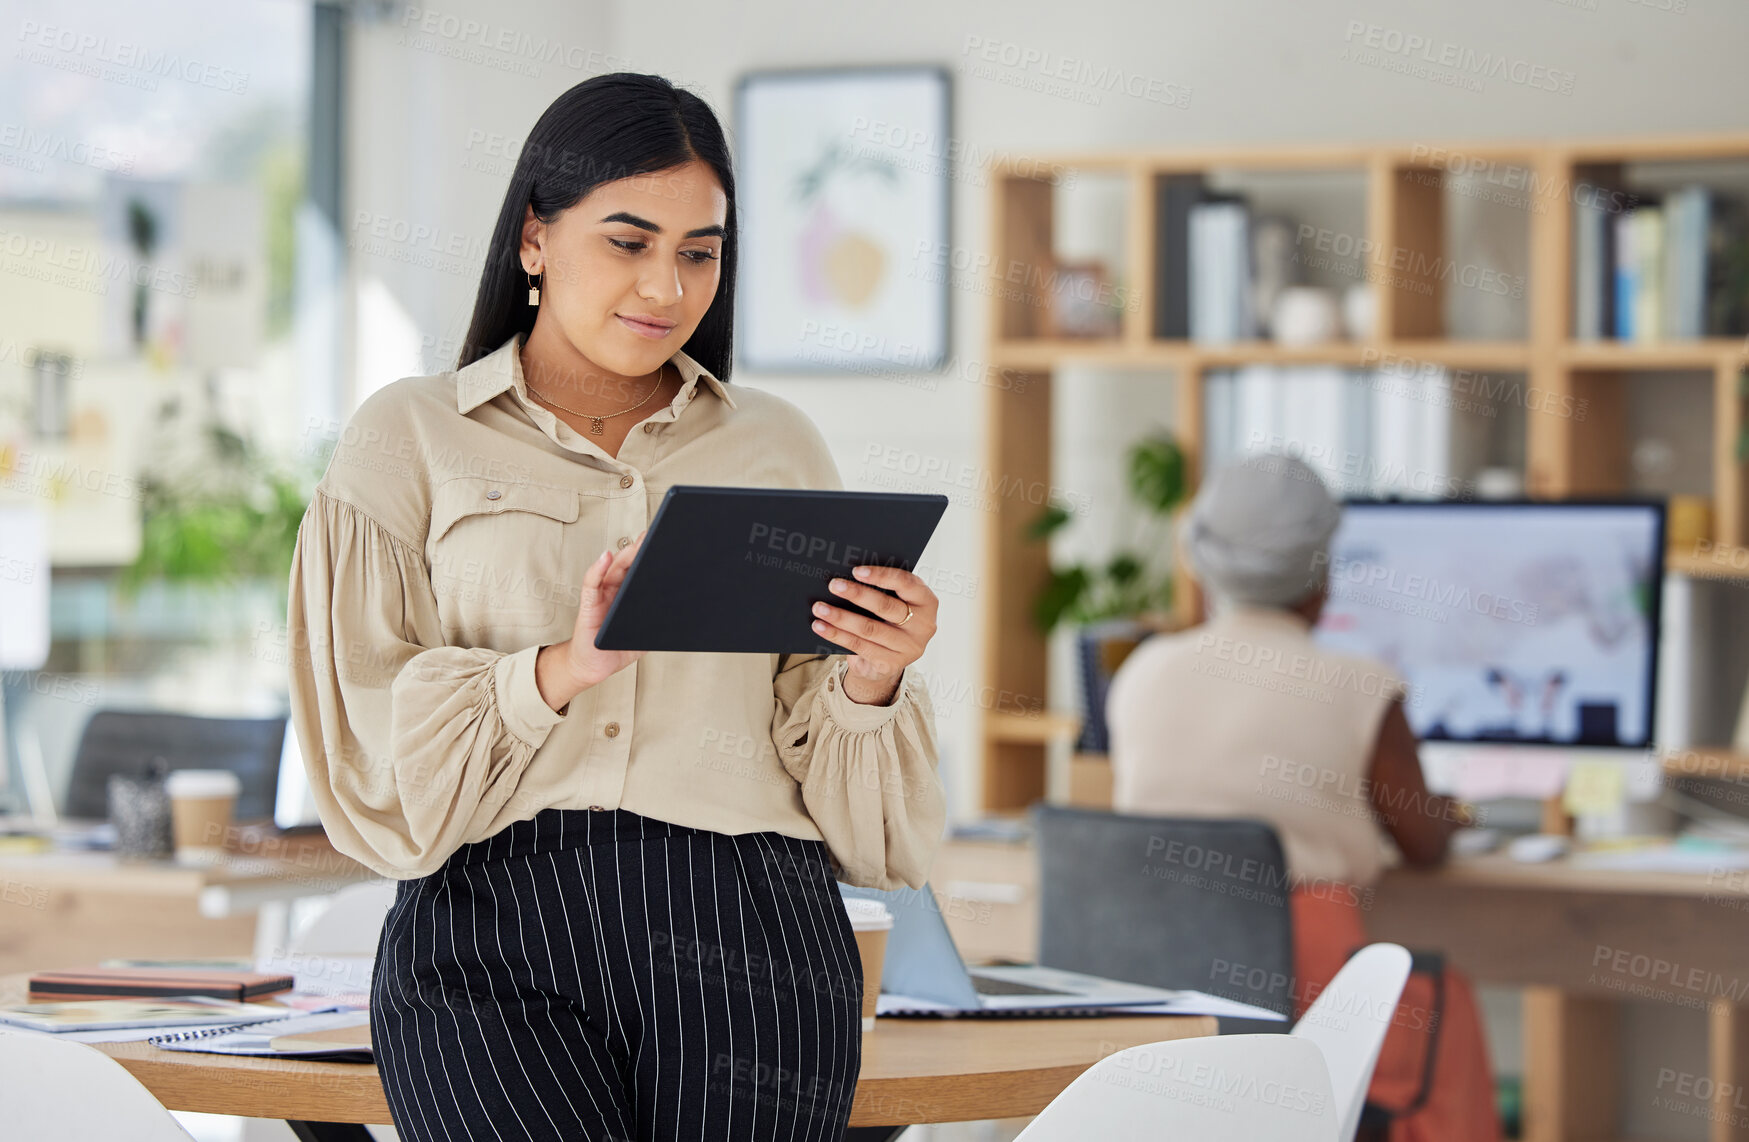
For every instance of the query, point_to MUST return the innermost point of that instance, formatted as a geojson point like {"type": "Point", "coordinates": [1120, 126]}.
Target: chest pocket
{"type": "Point", "coordinates": [497, 552]}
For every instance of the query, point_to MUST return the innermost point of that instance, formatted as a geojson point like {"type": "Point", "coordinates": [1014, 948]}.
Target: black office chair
{"type": "Point", "coordinates": [125, 741]}
{"type": "Point", "coordinates": [1177, 902]}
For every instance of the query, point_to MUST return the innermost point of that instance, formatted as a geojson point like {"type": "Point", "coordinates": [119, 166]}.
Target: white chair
{"type": "Point", "coordinates": [351, 923]}
{"type": "Point", "coordinates": [55, 1088]}
{"type": "Point", "coordinates": [1227, 1088]}
{"type": "Point", "coordinates": [1348, 1021]}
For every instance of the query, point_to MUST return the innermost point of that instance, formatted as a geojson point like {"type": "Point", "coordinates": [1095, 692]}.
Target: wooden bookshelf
{"type": "Point", "coordinates": [1720, 763]}
{"type": "Point", "coordinates": [1405, 187]}
{"type": "Point", "coordinates": [1045, 353]}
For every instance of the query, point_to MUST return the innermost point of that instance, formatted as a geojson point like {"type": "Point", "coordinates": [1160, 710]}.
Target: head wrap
{"type": "Point", "coordinates": [1259, 531]}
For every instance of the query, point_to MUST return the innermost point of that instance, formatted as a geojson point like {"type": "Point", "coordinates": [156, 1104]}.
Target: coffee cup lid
{"type": "Point", "coordinates": [867, 915]}
{"type": "Point", "coordinates": [203, 783]}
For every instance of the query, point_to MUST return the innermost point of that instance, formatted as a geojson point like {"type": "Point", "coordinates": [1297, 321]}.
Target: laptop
{"type": "Point", "coordinates": [923, 973]}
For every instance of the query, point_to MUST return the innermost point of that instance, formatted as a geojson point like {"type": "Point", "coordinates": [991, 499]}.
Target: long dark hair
{"type": "Point", "coordinates": [606, 128]}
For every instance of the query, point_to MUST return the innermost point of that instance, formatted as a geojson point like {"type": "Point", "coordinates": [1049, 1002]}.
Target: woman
{"type": "Point", "coordinates": [616, 915]}
{"type": "Point", "coordinates": [1246, 716]}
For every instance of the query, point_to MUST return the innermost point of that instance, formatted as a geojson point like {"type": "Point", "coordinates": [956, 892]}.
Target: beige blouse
{"type": "Point", "coordinates": [1247, 716]}
{"type": "Point", "coordinates": [445, 545]}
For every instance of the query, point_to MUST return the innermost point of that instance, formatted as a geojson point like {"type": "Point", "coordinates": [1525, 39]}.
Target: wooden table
{"type": "Point", "coordinates": [913, 1071]}
{"type": "Point", "coordinates": [66, 907]}
{"type": "Point", "coordinates": [1580, 940]}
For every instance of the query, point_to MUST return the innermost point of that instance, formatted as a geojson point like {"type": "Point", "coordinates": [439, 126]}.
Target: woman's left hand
{"type": "Point", "coordinates": [880, 648]}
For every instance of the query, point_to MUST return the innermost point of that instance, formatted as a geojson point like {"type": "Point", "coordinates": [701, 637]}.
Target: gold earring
{"type": "Point", "coordinates": [533, 290]}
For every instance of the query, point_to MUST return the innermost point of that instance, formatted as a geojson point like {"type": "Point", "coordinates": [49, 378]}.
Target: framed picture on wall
{"type": "Point", "coordinates": [843, 193]}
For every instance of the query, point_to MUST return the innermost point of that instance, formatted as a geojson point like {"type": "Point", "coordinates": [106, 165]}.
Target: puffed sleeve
{"type": "Point", "coordinates": [412, 746]}
{"type": "Point", "coordinates": [868, 774]}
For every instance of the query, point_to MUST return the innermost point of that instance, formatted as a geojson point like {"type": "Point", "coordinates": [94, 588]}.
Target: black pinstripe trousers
{"type": "Point", "coordinates": [596, 974]}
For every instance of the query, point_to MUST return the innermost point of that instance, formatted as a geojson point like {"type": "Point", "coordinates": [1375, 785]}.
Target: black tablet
{"type": "Point", "coordinates": [738, 570]}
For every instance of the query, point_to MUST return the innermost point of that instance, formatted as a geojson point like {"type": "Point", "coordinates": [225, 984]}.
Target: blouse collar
{"type": "Point", "coordinates": [501, 370]}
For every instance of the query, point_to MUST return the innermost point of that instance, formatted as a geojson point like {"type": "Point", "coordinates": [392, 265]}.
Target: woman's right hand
{"type": "Point", "coordinates": [588, 663]}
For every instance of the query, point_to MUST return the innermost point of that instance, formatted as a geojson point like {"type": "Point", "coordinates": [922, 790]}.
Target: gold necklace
{"type": "Point", "coordinates": [595, 425]}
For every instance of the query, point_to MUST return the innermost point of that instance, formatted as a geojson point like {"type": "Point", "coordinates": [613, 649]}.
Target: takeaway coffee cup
{"type": "Point", "coordinates": [202, 803]}
{"type": "Point", "coordinates": [871, 921]}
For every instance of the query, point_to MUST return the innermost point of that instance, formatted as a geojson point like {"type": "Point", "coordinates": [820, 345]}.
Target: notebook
{"type": "Point", "coordinates": [149, 982]}
{"type": "Point", "coordinates": [336, 1035]}
{"type": "Point", "coordinates": [105, 1014]}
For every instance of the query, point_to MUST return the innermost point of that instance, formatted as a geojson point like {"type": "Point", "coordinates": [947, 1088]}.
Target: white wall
{"type": "Point", "coordinates": [423, 114]}
{"type": "Point", "coordinates": [435, 113]}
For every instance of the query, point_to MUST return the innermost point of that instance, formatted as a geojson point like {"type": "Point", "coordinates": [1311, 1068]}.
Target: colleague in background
{"type": "Point", "coordinates": [1246, 716]}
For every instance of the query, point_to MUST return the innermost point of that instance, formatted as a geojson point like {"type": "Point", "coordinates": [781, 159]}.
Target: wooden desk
{"type": "Point", "coordinates": [913, 1071]}
{"type": "Point", "coordinates": [67, 907]}
{"type": "Point", "coordinates": [1578, 940]}
{"type": "Point", "coordinates": [1560, 924]}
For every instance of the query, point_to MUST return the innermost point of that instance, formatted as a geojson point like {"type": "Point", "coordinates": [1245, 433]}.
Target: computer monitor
{"type": "Point", "coordinates": [1530, 623]}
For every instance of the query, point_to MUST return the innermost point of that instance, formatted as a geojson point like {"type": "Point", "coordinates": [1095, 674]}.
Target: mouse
{"type": "Point", "coordinates": [1537, 847]}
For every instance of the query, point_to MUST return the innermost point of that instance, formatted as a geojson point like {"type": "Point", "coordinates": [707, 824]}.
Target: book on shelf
{"type": "Point", "coordinates": [1639, 273]}
{"type": "Point", "coordinates": [1174, 196]}
{"type": "Point", "coordinates": [1593, 271]}
{"type": "Point", "coordinates": [1727, 267]}
{"type": "Point", "coordinates": [1365, 432]}
{"type": "Point", "coordinates": [1673, 267]}
{"type": "Point", "coordinates": [1220, 270]}
{"type": "Point", "coordinates": [1685, 244]}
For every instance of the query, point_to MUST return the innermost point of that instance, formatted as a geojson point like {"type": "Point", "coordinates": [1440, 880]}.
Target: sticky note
{"type": "Point", "coordinates": [1594, 787]}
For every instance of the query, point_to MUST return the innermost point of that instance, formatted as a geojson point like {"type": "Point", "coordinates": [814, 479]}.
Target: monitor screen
{"type": "Point", "coordinates": [1511, 622]}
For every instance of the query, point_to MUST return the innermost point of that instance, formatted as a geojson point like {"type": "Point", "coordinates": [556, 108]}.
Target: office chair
{"type": "Point", "coordinates": [53, 1088]}
{"type": "Point", "coordinates": [351, 924]}
{"type": "Point", "coordinates": [124, 741]}
{"type": "Point", "coordinates": [1177, 902]}
{"type": "Point", "coordinates": [1348, 1021]}
{"type": "Point", "coordinates": [1237, 1088]}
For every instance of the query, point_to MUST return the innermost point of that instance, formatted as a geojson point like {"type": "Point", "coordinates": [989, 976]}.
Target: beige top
{"type": "Point", "coordinates": [446, 544]}
{"type": "Point", "coordinates": [1246, 716]}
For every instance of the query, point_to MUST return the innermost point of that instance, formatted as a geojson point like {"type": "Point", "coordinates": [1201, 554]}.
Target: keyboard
{"type": "Point", "coordinates": [985, 985]}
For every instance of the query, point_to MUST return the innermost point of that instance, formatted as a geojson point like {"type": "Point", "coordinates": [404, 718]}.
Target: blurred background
{"type": "Point", "coordinates": [222, 226]}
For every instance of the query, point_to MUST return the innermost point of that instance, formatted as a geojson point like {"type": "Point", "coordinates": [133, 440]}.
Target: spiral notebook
{"type": "Point", "coordinates": [337, 1034]}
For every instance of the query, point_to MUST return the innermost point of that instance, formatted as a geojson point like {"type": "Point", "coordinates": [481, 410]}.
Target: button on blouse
{"type": "Point", "coordinates": [445, 545]}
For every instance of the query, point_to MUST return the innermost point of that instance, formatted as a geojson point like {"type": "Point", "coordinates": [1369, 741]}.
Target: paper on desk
{"type": "Point", "coordinates": [259, 1040]}
{"type": "Point", "coordinates": [1186, 1003]}
{"type": "Point", "coordinates": [316, 974]}
{"type": "Point", "coordinates": [1595, 787]}
{"type": "Point", "coordinates": [321, 983]}
{"type": "Point", "coordinates": [127, 1034]}
{"type": "Point", "coordinates": [1664, 858]}
{"type": "Point", "coordinates": [1201, 1003]}
{"type": "Point", "coordinates": [139, 1034]}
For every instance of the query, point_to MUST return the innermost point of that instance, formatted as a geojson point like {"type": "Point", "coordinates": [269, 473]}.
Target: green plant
{"type": "Point", "coordinates": [1125, 584]}
{"type": "Point", "coordinates": [220, 531]}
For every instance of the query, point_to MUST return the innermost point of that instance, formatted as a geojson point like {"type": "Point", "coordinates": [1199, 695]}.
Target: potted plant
{"type": "Point", "coordinates": [1128, 598]}
{"type": "Point", "coordinates": [217, 512]}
